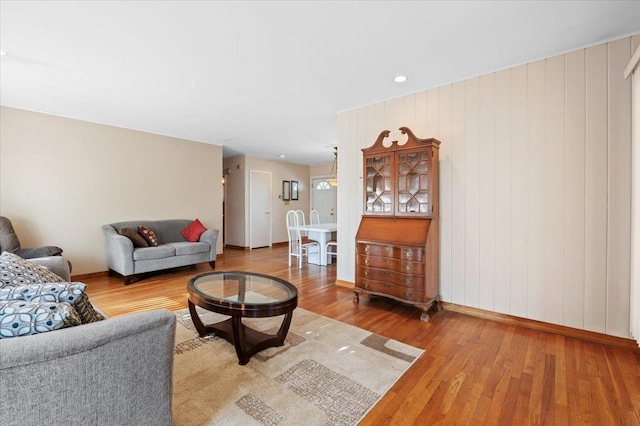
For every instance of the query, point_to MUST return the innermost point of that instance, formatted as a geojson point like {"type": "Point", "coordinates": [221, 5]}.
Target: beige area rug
{"type": "Point", "coordinates": [327, 373]}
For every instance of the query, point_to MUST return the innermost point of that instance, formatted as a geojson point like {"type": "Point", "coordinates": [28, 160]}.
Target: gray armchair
{"type": "Point", "coordinates": [47, 256]}
{"type": "Point", "coordinates": [9, 242]}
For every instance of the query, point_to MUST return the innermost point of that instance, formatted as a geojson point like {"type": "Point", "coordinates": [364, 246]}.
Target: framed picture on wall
{"type": "Point", "coordinates": [286, 190]}
{"type": "Point", "coordinates": [294, 189]}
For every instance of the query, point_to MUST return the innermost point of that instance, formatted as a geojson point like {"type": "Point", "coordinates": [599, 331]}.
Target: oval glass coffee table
{"type": "Point", "coordinates": [242, 294]}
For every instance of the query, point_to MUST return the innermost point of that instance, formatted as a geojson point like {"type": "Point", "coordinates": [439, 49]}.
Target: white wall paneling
{"type": "Point", "coordinates": [631, 71]}
{"type": "Point", "coordinates": [502, 220]}
{"type": "Point", "coordinates": [486, 192]}
{"type": "Point", "coordinates": [535, 183]}
{"type": "Point", "coordinates": [443, 132]}
{"type": "Point", "coordinates": [472, 193]}
{"type": "Point", "coordinates": [519, 188]}
{"type": "Point", "coordinates": [458, 198]}
{"type": "Point", "coordinates": [619, 191]}
{"type": "Point", "coordinates": [596, 183]}
{"type": "Point", "coordinates": [574, 189]}
{"type": "Point", "coordinates": [553, 174]}
{"type": "Point", "coordinates": [537, 153]}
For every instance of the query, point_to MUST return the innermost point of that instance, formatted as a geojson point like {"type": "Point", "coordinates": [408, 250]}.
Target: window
{"type": "Point", "coordinates": [323, 185]}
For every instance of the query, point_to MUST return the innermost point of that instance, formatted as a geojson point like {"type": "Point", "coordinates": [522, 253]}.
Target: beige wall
{"type": "Point", "coordinates": [321, 170]}
{"type": "Point", "coordinates": [61, 179]}
{"type": "Point", "coordinates": [534, 186]}
{"type": "Point", "coordinates": [238, 196]}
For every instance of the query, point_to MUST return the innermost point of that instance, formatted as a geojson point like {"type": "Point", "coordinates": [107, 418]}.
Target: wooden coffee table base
{"type": "Point", "coordinates": [247, 341]}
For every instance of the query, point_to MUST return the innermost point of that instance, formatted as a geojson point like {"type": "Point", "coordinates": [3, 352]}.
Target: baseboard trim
{"type": "Point", "coordinates": [591, 336]}
{"type": "Point", "coordinates": [232, 247]}
{"type": "Point", "coordinates": [81, 277]}
{"type": "Point", "coordinates": [345, 284]}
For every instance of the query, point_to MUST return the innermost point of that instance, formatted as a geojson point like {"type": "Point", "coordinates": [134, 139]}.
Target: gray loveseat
{"type": "Point", "coordinates": [173, 251]}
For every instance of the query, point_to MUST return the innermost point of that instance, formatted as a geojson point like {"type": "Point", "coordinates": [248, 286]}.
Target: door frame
{"type": "Point", "coordinates": [251, 205]}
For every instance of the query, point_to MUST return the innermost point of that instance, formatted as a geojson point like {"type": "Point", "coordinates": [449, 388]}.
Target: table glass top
{"type": "Point", "coordinates": [243, 288]}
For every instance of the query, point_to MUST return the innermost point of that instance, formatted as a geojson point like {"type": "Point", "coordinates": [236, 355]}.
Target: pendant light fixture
{"type": "Point", "coordinates": [333, 180]}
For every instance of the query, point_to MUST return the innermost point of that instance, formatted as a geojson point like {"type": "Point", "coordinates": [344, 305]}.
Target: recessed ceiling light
{"type": "Point", "coordinates": [400, 78]}
{"type": "Point", "coordinates": [282, 156]}
{"type": "Point", "coordinates": [2, 53]}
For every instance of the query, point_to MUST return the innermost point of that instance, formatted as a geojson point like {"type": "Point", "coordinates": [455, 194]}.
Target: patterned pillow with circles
{"type": "Point", "coordinates": [15, 270]}
{"type": "Point", "coordinates": [22, 318]}
{"type": "Point", "coordinates": [70, 293]}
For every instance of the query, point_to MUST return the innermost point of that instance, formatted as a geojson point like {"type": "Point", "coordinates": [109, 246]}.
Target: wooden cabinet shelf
{"type": "Point", "coordinates": [397, 243]}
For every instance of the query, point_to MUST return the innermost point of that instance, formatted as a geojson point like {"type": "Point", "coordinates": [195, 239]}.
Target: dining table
{"type": "Point", "coordinates": [322, 233]}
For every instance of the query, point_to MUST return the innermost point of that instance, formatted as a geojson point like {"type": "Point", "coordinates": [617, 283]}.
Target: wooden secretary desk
{"type": "Point", "coordinates": [398, 240]}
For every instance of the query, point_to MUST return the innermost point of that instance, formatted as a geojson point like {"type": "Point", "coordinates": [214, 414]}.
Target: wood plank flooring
{"type": "Point", "coordinates": [474, 370]}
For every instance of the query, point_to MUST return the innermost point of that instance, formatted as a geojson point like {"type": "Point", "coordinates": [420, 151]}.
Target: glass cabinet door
{"type": "Point", "coordinates": [413, 183]}
{"type": "Point", "coordinates": [379, 185]}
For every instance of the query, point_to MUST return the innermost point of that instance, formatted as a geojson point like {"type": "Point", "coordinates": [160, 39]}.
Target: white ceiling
{"type": "Point", "coordinates": [267, 78]}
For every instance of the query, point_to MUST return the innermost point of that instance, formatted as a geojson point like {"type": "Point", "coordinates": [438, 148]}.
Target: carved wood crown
{"type": "Point", "coordinates": [412, 142]}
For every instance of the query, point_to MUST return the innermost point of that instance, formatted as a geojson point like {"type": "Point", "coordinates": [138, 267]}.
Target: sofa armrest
{"type": "Point", "coordinates": [118, 371]}
{"type": "Point", "coordinates": [56, 264]}
{"type": "Point", "coordinates": [119, 251]}
{"type": "Point", "coordinates": [210, 236]}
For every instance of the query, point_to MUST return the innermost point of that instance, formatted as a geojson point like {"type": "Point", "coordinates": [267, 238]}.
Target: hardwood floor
{"type": "Point", "coordinates": [474, 370]}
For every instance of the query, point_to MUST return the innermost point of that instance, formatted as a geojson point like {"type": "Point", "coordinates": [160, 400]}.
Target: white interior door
{"type": "Point", "coordinates": [323, 199]}
{"type": "Point", "coordinates": [259, 209]}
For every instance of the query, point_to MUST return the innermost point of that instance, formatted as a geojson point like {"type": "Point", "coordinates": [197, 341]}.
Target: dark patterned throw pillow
{"type": "Point", "coordinates": [14, 270]}
{"type": "Point", "coordinates": [136, 239]}
{"type": "Point", "coordinates": [148, 235]}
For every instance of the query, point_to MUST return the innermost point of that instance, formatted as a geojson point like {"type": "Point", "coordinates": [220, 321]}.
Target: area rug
{"type": "Point", "coordinates": [327, 373]}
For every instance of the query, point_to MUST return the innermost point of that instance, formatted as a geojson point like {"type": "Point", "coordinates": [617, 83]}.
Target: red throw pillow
{"type": "Point", "coordinates": [148, 235]}
{"type": "Point", "coordinates": [193, 231]}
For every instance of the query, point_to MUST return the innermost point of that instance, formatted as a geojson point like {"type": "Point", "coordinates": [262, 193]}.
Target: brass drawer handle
{"type": "Point", "coordinates": [408, 280]}
{"type": "Point", "coordinates": [407, 295]}
{"type": "Point", "coordinates": [387, 273]}
{"type": "Point", "coordinates": [408, 267]}
{"type": "Point", "coordinates": [366, 284]}
{"type": "Point", "coordinates": [366, 249]}
{"type": "Point", "coordinates": [366, 261]}
{"type": "Point", "coordinates": [388, 249]}
{"type": "Point", "coordinates": [366, 273]}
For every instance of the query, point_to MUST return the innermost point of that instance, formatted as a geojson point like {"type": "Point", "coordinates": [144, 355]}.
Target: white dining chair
{"type": "Point", "coordinates": [298, 245]}
{"type": "Point", "coordinates": [314, 217]}
{"type": "Point", "coordinates": [301, 221]}
{"type": "Point", "coordinates": [331, 248]}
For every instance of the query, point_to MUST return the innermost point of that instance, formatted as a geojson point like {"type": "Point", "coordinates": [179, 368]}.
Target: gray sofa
{"type": "Point", "coordinates": [173, 251]}
{"type": "Point", "coordinates": [117, 371]}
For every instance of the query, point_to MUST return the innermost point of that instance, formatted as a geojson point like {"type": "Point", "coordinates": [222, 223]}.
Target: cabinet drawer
{"type": "Point", "coordinates": [399, 292]}
{"type": "Point", "coordinates": [391, 264]}
{"type": "Point", "coordinates": [395, 252]}
{"type": "Point", "coordinates": [388, 276]}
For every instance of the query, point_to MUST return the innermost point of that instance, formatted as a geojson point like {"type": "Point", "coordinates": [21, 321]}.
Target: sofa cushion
{"type": "Point", "coordinates": [148, 235]}
{"type": "Point", "coordinates": [22, 318]}
{"type": "Point", "coordinates": [136, 239]}
{"type": "Point", "coordinates": [193, 231]}
{"type": "Point", "coordinates": [72, 294]}
{"type": "Point", "coordinates": [150, 253]}
{"type": "Point", "coordinates": [169, 230]}
{"type": "Point", "coordinates": [14, 270]}
{"type": "Point", "coordinates": [189, 248]}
